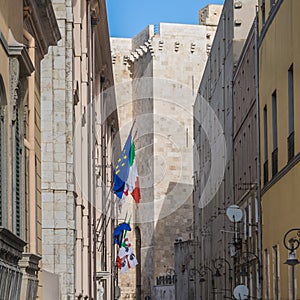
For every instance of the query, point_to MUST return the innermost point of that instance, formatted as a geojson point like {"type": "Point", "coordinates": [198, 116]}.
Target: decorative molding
{"type": "Point", "coordinates": [2, 112]}
{"type": "Point", "coordinates": [160, 45]}
{"type": "Point", "coordinates": [29, 266]}
{"type": "Point", "coordinates": [14, 47]}
{"type": "Point", "coordinates": [293, 162]}
{"type": "Point", "coordinates": [113, 58]}
{"type": "Point", "coordinates": [26, 64]}
{"type": "Point", "coordinates": [30, 263]}
{"type": "Point", "coordinates": [14, 72]}
{"type": "Point", "coordinates": [238, 4]}
{"type": "Point", "coordinates": [11, 247]}
{"type": "Point", "coordinates": [193, 47]}
{"type": "Point", "coordinates": [41, 18]}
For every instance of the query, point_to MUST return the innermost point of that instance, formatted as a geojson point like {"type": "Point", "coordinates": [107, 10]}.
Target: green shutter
{"type": "Point", "coordinates": [0, 173]}
{"type": "Point", "coordinates": [18, 175]}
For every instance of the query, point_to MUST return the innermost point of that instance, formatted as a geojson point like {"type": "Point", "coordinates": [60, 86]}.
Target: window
{"type": "Point", "coordinates": [250, 220]}
{"type": "Point", "coordinates": [276, 273]}
{"type": "Point", "coordinates": [266, 175]}
{"type": "Point", "coordinates": [251, 285]}
{"type": "Point", "coordinates": [1, 171]}
{"type": "Point", "coordinates": [245, 224]}
{"type": "Point", "coordinates": [275, 135]}
{"type": "Point", "coordinates": [256, 212]}
{"type": "Point", "coordinates": [263, 12]}
{"type": "Point", "coordinates": [3, 102]}
{"type": "Point", "coordinates": [291, 148]}
{"type": "Point", "coordinates": [266, 272]}
{"type": "Point", "coordinates": [17, 174]}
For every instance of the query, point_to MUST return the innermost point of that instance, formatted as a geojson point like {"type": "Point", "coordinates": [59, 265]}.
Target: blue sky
{"type": "Point", "coordinates": [128, 17]}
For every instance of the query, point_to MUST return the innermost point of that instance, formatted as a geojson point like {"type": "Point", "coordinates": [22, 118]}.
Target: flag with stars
{"type": "Point", "coordinates": [121, 170]}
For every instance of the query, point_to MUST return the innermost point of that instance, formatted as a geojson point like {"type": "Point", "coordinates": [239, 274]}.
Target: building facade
{"type": "Point", "coordinates": [24, 42]}
{"type": "Point", "coordinates": [246, 252]}
{"type": "Point", "coordinates": [157, 74]}
{"type": "Point", "coordinates": [79, 130]}
{"type": "Point", "coordinates": [214, 168]}
{"type": "Point", "coordinates": [279, 136]}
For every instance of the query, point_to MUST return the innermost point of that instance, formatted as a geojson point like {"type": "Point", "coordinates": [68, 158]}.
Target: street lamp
{"type": "Point", "coordinates": [192, 276]}
{"type": "Point", "coordinates": [292, 244]}
{"type": "Point", "coordinates": [245, 256]}
{"type": "Point", "coordinates": [220, 263]}
{"type": "Point", "coordinates": [193, 273]}
{"type": "Point", "coordinates": [205, 269]}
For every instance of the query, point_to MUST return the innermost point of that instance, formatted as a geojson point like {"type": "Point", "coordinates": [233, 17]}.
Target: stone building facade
{"type": "Point", "coordinates": [157, 74]}
{"type": "Point", "coordinates": [213, 157]}
{"type": "Point", "coordinates": [247, 250]}
{"type": "Point", "coordinates": [79, 129]}
{"type": "Point", "coordinates": [24, 42]}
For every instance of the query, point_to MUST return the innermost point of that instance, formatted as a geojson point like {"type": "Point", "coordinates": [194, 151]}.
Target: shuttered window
{"type": "Point", "coordinates": [0, 172]}
{"type": "Point", "coordinates": [3, 102]}
{"type": "Point", "coordinates": [18, 175]}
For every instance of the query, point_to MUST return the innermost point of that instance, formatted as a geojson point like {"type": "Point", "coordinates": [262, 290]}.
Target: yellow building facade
{"type": "Point", "coordinates": [279, 103]}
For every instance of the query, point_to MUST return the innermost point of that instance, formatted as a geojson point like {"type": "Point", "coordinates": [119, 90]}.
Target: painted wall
{"type": "Point", "coordinates": [279, 48]}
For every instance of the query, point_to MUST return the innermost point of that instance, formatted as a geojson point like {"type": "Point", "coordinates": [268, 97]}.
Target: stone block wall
{"type": "Point", "coordinates": [58, 204]}
{"type": "Point", "coordinates": [163, 71]}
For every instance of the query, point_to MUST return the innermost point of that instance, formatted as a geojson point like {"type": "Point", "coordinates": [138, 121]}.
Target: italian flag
{"type": "Point", "coordinates": [132, 183]}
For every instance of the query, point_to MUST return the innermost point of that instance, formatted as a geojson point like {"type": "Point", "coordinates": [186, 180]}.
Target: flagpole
{"type": "Point", "coordinates": [125, 233]}
{"type": "Point", "coordinates": [134, 121]}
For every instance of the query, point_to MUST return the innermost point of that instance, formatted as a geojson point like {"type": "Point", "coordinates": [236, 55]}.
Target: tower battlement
{"type": "Point", "coordinates": [171, 38]}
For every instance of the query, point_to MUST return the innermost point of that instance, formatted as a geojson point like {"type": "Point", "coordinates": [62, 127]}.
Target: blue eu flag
{"type": "Point", "coordinates": [122, 169]}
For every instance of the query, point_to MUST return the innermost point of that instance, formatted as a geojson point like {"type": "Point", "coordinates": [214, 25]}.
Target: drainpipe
{"type": "Point", "coordinates": [30, 145]}
{"type": "Point", "coordinates": [88, 20]}
{"type": "Point", "coordinates": [229, 155]}
{"type": "Point", "coordinates": [94, 225]}
{"type": "Point", "coordinates": [258, 162]}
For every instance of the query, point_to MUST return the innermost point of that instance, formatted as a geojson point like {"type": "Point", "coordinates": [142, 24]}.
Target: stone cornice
{"type": "Point", "coordinates": [11, 246]}
{"type": "Point", "coordinates": [11, 46]}
{"type": "Point", "coordinates": [3, 42]}
{"type": "Point", "coordinates": [27, 66]}
{"type": "Point", "coordinates": [14, 48]}
{"type": "Point", "coordinates": [43, 23]}
{"type": "Point", "coordinates": [30, 263]}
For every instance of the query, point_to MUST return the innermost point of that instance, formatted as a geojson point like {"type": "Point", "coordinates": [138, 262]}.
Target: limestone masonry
{"type": "Point", "coordinates": [157, 75]}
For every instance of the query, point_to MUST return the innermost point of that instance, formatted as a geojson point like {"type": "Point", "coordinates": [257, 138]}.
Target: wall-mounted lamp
{"type": "Point", "coordinates": [292, 243]}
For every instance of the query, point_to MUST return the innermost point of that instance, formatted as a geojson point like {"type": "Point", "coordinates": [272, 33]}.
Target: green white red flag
{"type": "Point", "coordinates": [132, 183]}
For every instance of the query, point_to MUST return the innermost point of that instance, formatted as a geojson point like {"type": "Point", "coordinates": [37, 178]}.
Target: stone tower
{"type": "Point", "coordinates": [157, 74]}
